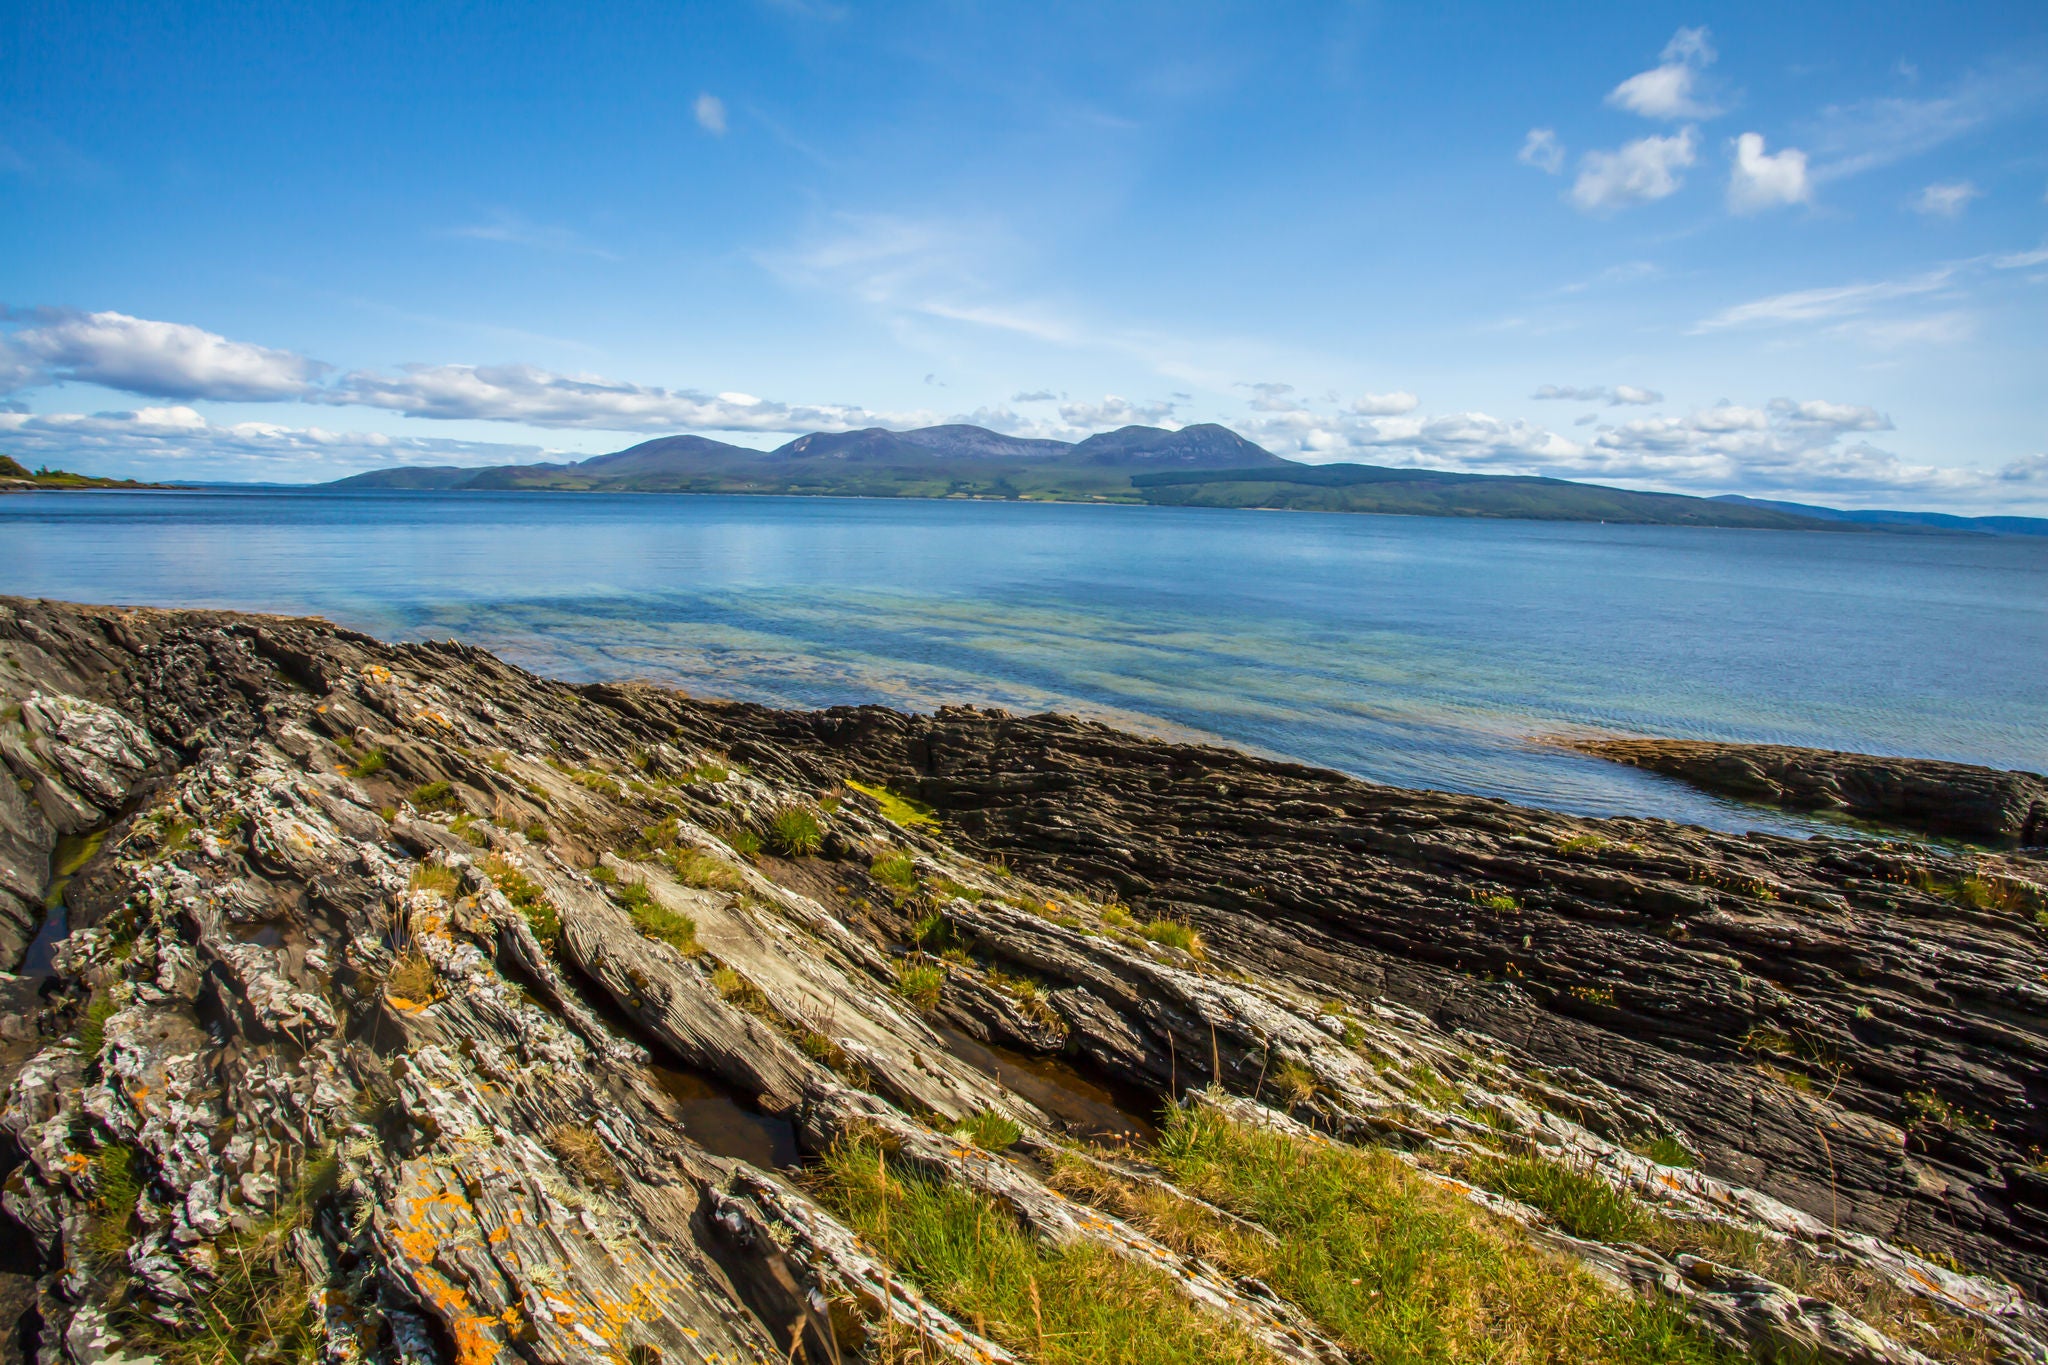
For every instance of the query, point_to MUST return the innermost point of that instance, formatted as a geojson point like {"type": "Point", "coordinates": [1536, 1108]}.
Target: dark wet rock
{"type": "Point", "coordinates": [1959, 800]}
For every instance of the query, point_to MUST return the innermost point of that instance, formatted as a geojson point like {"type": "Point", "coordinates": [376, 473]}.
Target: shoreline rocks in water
{"type": "Point", "coordinates": [373, 982]}
{"type": "Point", "coordinates": [1958, 800]}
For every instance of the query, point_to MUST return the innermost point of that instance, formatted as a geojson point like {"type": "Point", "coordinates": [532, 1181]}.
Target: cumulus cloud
{"type": "Point", "coordinates": [137, 355]}
{"type": "Point", "coordinates": [1762, 180]}
{"type": "Point", "coordinates": [1670, 90]}
{"type": "Point", "coordinates": [1636, 172]}
{"type": "Point", "coordinates": [1542, 150]}
{"type": "Point", "coordinates": [1113, 412]}
{"type": "Point", "coordinates": [1946, 200]}
{"type": "Point", "coordinates": [710, 111]}
{"type": "Point", "coordinates": [1034, 396]}
{"type": "Point", "coordinates": [178, 442]}
{"type": "Point", "coordinates": [537, 397]}
{"type": "Point", "coordinates": [1814, 448]}
{"type": "Point", "coordinates": [1385, 404]}
{"type": "Point", "coordinates": [1613, 395]}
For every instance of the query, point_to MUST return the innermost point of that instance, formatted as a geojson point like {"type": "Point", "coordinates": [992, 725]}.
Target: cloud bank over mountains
{"type": "Point", "coordinates": [1782, 445]}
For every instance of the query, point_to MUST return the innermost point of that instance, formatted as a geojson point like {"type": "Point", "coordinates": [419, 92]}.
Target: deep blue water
{"type": "Point", "coordinates": [1422, 651]}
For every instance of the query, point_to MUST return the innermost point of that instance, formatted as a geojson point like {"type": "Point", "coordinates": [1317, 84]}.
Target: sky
{"type": "Point", "coordinates": [1794, 251]}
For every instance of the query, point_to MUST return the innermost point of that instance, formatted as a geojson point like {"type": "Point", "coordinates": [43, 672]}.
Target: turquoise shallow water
{"type": "Point", "coordinates": [1427, 652]}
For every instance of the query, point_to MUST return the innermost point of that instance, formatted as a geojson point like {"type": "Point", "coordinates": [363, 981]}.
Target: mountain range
{"type": "Point", "coordinates": [1196, 466]}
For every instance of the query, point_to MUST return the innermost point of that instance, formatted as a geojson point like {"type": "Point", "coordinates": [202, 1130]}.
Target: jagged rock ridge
{"type": "Point", "coordinates": [374, 981]}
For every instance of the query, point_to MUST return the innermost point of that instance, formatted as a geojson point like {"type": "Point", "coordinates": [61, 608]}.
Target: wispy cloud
{"type": "Point", "coordinates": [1542, 150]}
{"type": "Point", "coordinates": [1833, 301]}
{"type": "Point", "coordinates": [1848, 139]}
{"type": "Point", "coordinates": [515, 229]}
{"type": "Point", "coordinates": [710, 112]}
{"type": "Point", "coordinates": [1946, 200]}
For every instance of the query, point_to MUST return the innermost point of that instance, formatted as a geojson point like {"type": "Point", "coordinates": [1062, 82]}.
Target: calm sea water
{"type": "Point", "coordinates": [1420, 651]}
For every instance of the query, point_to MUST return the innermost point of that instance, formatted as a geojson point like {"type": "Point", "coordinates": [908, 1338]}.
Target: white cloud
{"type": "Point", "coordinates": [1762, 180]}
{"type": "Point", "coordinates": [1646, 169]}
{"type": "Point", "coordinates": [506, 226]}
{"type": "Point", "coordinates": [177, 442]}
{"type": "Point", "coordinates": [1614, 395]}
{"type": "Point", "coordinates": [1034, 396]}
{"type": "Point", "coordinates": [1385, 404]}
{"type": "Point", "coordinates": [136, 355]}
{"type": "Point", "coordinates": [1946, 200]}
{"type": "Point", "coordinates": [710, 111]}
{"type": "Point", "coordinates": [1668, 91]}
{"type": "Point", "coordinates": [1847, 139]}
{"type": "Point", "coordinates": [1542, 150]}
{"type": "Point", "coordinates": [1113, 412]}
{"type": "Point", "coordinates": [537, 397]}
{"type": "Point", "coordinates": [1812, 305]}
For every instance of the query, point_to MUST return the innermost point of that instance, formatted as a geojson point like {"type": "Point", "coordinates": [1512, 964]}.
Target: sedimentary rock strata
{"type": "Point", "coordinates": [1961, 800]}
{"type": "Point", "coordinates": [385, 994]}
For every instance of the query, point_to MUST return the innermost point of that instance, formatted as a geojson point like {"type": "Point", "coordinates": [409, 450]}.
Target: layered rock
{"type": "Point", "coordinates": [379, 986]}
{"type": "Point", "coordinates": [1960, 800]}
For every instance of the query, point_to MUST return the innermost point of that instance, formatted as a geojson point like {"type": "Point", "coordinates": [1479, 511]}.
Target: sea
{"type": "Point", "coordinates": [1426, 652]}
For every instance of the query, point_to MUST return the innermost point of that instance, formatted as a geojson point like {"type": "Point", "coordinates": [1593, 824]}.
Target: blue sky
{"type": "Point", "coordinates": [1784, 250]}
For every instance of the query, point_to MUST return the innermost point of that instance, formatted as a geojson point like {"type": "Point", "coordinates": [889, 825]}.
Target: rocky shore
{"type": "Point", "coordinates": [420, 1009]}
{"type": "Point", "coordinates": [1958, 800]}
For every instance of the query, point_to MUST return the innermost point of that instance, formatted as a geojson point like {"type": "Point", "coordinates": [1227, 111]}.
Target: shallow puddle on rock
{"type": "Point", "coordinates": [266, 934]}
{"type": "Point", "coordinates": [720, 1124]}
{"type": "Point", "coordinates": [1088, 1108]}
{"type": "Point", "coordinates": [73, 852]}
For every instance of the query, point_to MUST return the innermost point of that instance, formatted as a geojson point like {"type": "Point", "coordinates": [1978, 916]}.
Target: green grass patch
{"type": "Point", "coordinates": [708, 872]}
{"type": "Point", "coordinates": [898, 810]}
{"type": "Point", "coordinates": [435, 796]}
{"type": "Point", "coordinates": [92, 1029]}
{"type": "Point", "coordinates": [527, 898]}
{"type": "Point", "coordinates": [989, 1131]}
{"type": "Point", "coordinates": [1075, 1305]}
{"type": "Point", "coordinates": [794, 832]}
{"type": "Point", "coordinates": [897, 871]}
{"type": "Point", "coordinates": [1393, 1267]}
{"type": "Point", "coordinates": [920, 983]}
{"type": "Point", "coordinates": [370, 764]}
{"type": "Point", "coordinates": [1663, 1149]}
{"type": "Point", "coordinates": [1175, 934]}
{"type": "Point", "coordinates": [1582, 1203]}
{"type": "Point", "coordinates": [657, 921]}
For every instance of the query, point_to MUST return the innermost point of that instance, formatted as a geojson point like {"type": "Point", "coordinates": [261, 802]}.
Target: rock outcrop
{"type": "Point", "coordinates": [394, 991]}
{"type": "Point", "coordinates": [1959, 800]}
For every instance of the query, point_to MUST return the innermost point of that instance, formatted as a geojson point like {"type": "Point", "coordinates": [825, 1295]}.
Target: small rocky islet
{"type": "Point", "coordinates": [372, 997]}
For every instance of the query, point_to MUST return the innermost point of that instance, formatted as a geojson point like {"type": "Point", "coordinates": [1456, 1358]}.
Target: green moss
{"type": "Point", "coordinates": [899, 810]}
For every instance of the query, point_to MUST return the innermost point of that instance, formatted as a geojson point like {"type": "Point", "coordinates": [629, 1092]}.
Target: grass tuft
{"type": "Point", "coordinates": [657, 921]}
{"type": "Point", "coordinates": [413, 979]}
{"type": "Point", "coordinates": [443, 881]}
{"type": "Point", "coordinates": [989, 1131]}
{"type": "Point", "coordinates": [435, 796]}
{"type": "Point", "coordinates": [583, 1152]}
{"type": "Point", "coordinates": [1583, 1204]}
{"type": "Point", "coordinates": [1176, 934]}
{"type": "Point", "coordinates": [370, 764]}
{"type": "Point", "coordinates": [527, 898]}
{"type": "Point", "coordinates": [920, 983]}
{"type": "Point", "coordinates": [794, 832]}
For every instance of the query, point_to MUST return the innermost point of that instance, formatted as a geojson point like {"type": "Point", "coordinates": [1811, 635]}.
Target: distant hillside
{"type": "Point", "coordinates": [1436, 493]}
{"type": "Point", "coordinates": [1906, 521]}
{"type": "Point", "coordinates": [16, 477]}
{"type": "Point", "coordinates": [1197, 466]}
